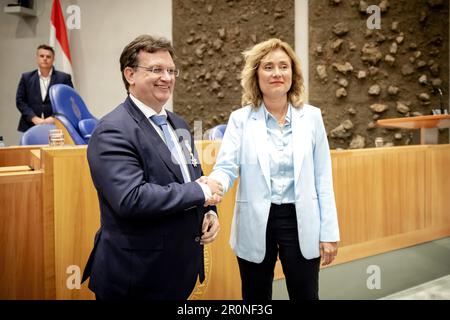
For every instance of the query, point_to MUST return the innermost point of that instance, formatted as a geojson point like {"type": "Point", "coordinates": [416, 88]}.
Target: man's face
{"type": "Point", "coordinates": [45, 59]}
{"type": "Point", "coordinates": [152, 89]}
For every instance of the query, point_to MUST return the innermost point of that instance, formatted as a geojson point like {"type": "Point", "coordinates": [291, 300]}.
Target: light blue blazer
{"type": "Point", "coordinates": [244, 153]}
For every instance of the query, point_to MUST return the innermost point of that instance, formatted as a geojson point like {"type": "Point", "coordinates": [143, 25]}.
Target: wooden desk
{"type": "Point", "coordinates": [428, 125]}
{"type": "Point", "coordinates": [71, 217]}
{"type": "Point", "coordinates": [21, 236]}
{"type": "Point", "coordinates": [35, 161]}
{"type": "Point", "coordinates": [386, 198]}
{"type": "Point", "coordinates": [17, 155]}
{"type": "Point", "coordinates": [390, 198]}
{"type": "Point", "coordinates": [15, 169]}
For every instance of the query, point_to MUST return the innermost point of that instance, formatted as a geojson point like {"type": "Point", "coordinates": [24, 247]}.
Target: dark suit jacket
{"type": "Point", "coordinates": [148, 243]}
{"type": "Point", "coordinates": [29, 99]}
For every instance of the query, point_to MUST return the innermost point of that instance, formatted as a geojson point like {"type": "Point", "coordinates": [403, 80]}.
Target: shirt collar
{"type": "Point", "coordinates": [146, 110]}
{"type": "Point", "coordinates": [49, 74]}
{"type": "Point", "coordinates": [269, 117]}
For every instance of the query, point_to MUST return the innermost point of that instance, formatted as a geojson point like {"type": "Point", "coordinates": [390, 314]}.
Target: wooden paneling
{"type": "Point", "coordinates": [403, 176]}
{"type": "Point", "coordinates": [395, 186]}
{"type": "Point", "coordinates": [21, 236]}
{"type": "Point", "coordinates": [375, 190]}
{"type": "Point", "coordinates": [72, 207]}
{"type": "Point", "coordinates": [438, 186]}
{"type": "Point", "coordinates": [224, 281]}
{"type": "Point", "coordinates": [369, 248]}
{"type": "Point", "coordinates": [384, 196]}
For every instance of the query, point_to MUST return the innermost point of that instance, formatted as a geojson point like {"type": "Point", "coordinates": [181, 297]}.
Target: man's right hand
{"type": "Point", "coordinates": [215, 186]}
{"type": "Point", "coordinates": [216, 190]}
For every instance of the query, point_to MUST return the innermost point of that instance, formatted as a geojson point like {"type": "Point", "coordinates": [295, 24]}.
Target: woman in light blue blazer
{"type": "Point", "coordinates": [285, 203]}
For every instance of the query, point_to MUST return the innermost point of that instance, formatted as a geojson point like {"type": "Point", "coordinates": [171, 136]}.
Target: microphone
{"type": "Point", "coordinates": [441, 109]}
{"type": "Point", "coordinates": [441, 104]}
{"type": "Point", "coordinates": [438, 90]}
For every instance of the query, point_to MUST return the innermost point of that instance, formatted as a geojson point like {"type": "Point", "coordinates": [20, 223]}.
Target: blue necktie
{"type": "Point", "coordinates": [161, 122]}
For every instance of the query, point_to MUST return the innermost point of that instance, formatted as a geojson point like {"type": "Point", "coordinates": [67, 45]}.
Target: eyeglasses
{"type": "Point", "coordinates": [159, 71]}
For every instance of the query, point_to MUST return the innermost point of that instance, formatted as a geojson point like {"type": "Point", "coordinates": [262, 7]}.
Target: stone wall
{"type": "Point", "coordinates": [358, 75]}
{"type": "Point", "coordinates": [209, 37]}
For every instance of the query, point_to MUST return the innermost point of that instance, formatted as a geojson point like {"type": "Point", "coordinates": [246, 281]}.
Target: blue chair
{"type": "Point", "coordinates": [217, 132]}
{"type": "Point", "coordinates": [86, 127]}
{"type": "Point", "coordinates": [71, 111]}
{"type": "Point", "coordinates": [36, 135]}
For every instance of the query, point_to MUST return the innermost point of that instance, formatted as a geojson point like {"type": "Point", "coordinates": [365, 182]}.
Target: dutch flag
{"type": "Point", "coordinates": [59, 40]}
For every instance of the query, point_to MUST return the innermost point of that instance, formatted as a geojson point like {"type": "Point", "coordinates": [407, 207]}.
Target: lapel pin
{"type": "Point", "coordinates": [194, 161]}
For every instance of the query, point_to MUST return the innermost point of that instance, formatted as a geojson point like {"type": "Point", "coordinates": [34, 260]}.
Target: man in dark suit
{"type": "Point", "coordinates": [154, 202]}
{"type": "Point", "coordinates": [32, 93]}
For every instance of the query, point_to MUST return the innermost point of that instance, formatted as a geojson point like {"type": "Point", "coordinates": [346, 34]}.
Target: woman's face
{"type": "Point", "coordinates": [275, 74]}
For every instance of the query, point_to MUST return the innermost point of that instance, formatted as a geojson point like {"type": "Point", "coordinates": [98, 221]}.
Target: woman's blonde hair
{"type": "Point", "coordinates": [251, 93]}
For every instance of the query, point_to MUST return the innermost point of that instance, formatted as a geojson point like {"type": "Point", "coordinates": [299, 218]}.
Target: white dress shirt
{"type": "Point", "coordinates": [44, 83]}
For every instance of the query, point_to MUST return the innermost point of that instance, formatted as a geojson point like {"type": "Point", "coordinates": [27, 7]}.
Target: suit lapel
{"type": "Point", "coordinates": [36, 85]}
{"type": "Point", "coordinates": [53, 78]}
{"type": "Point", "coordinates": [155, 140]}
{"type": "Point", "coordinates": [259, 132]}
{"type": "Point", "coordinates": [299, 140]}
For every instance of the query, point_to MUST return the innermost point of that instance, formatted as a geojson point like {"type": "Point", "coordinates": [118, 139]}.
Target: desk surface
{"type": "Point", "coordinates": [431, 121]}
{"type": "Point", "coordinates": [14, 169]}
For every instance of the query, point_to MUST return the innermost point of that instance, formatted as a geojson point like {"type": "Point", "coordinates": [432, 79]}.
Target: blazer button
{"type": "Point", "coordinates": [197, 239]}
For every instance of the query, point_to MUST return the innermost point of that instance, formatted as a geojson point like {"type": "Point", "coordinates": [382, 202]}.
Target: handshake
{"type": "Point", "coordinates": [216, 189]}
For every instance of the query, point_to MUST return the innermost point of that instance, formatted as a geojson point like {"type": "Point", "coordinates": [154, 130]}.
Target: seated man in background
{"type": "Point", "coordinates": [32, 98]}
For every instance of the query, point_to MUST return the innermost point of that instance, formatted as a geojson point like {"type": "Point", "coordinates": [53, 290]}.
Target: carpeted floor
{"type": "Point", "coordinates": [417, 272]}
{"type": "Point", "coordinates": [438, 289]}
